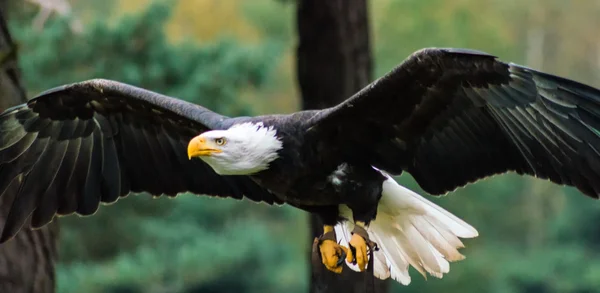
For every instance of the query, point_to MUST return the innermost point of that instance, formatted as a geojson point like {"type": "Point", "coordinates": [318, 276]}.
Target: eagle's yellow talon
{"type": "Point", "coordinates": [332, 255]}
{"type": "Point", "coordinates": [359, 253]}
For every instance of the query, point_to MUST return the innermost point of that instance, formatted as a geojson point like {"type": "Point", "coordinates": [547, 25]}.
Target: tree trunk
{"type": "Point", "coordinates": [27, 261]}
{"type": "Point", "coordinates": [334, 62]}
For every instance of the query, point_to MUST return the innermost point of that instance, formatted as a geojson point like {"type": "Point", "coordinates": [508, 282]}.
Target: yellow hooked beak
{"type": "Point", "coordinates": [199, 146]}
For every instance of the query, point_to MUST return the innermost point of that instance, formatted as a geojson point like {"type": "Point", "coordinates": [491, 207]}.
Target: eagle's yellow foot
{"type": "Point", "coordinates": [358, 252]}
{"type": "Point", "coordinates": [360, 246]}
{"type": "Point", "coordinates": [332, 255]}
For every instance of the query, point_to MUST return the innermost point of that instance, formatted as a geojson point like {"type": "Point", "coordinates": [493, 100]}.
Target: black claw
{"type": "Point", "coordinates": [353, 253]}
{"type": "Point", "coordinates": [341, 259]}
{"type": "Point", "coordinates": [375, 246]}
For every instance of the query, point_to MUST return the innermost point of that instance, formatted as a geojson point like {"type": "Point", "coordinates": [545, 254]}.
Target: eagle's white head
{"type": "Point", "coordinates": [243, 149]}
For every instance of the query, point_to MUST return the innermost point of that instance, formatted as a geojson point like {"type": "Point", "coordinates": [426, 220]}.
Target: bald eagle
{"type": "Point", "coordinates": [446, 116]}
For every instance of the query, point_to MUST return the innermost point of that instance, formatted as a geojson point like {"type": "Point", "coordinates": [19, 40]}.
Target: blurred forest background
{"type": "Point", "coordinates": [237, 57]}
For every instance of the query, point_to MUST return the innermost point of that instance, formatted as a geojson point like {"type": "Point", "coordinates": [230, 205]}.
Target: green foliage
{"type": "Point", "coordinates": [136, 51]}
{"type": "Point", "coordinates": [272, 18]}
{"type": "Point", "coordinates": [403, 27]}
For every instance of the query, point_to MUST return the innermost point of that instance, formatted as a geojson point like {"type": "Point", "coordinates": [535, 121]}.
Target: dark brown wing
{"type": "Point", "coordinates": [78, 145]}
{"type": "Point", "coordinates": [451, 116]}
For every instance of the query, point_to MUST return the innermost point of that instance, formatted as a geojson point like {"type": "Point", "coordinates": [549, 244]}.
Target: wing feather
{"type": "Point", "coordinates": [22, 206]}
{"type": "Point", "coordinates": [49, 200]}
{"type": "Point", "coordinates": [111, 169]}
{"type": "Point", "coordinates": [90, 194]}
{"type": "Point", "coordinates": [80, 173]}
{"type": "Point", "coordinates": [67, 202]}
{"type": "Point", "coordinates": [463, 115]}
{"type": "Point", "coordinates": [76, 146]}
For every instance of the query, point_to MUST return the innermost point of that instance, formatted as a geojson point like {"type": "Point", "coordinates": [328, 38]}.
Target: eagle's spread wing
{"type": "Point", "coordinates": [452, 116]}
{"type": "Point", "coordinates": [78, 145]}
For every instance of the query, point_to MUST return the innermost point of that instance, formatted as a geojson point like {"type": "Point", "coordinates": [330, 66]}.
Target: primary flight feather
{"type": "Point", "coordinates": [446, 116]}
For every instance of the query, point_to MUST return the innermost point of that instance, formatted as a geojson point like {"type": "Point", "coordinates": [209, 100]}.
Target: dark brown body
{"type": "Point", "coordinates": [311, 175]}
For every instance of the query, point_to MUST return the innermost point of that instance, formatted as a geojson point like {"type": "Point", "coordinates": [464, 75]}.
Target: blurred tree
{"type": "Point", "coordinates": [27, 261]}
{"type": "Point", "coordinates": [203, 20]}
{"type": "Point", "coordinates": [334, 62]}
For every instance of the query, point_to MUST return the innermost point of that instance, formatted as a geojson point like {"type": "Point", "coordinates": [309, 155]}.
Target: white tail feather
{"type": "Point", "coordinates": [410, 230]}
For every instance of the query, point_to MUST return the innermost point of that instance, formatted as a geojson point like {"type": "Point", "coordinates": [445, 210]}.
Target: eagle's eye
{"type": "Point", "coordinates": [220, 141]}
